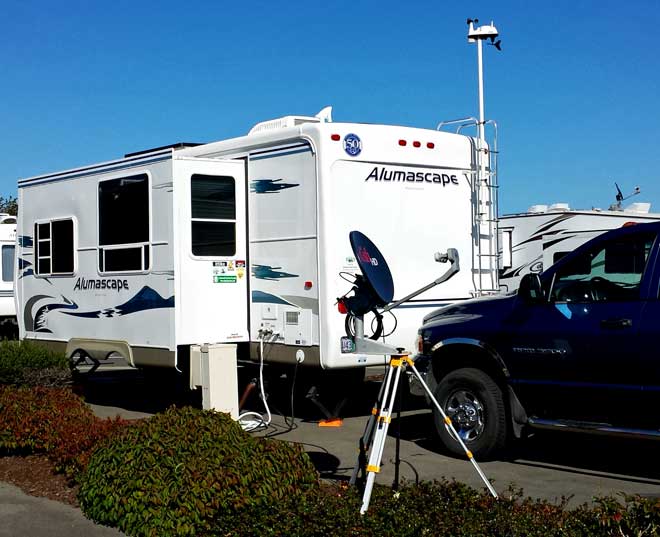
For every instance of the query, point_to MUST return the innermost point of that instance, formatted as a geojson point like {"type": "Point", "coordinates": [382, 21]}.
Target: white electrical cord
{"type": "Point", "coordinates": [259, 422]}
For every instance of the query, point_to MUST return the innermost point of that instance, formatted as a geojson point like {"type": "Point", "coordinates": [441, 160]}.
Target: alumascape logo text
{"type": "Point", "coordinates": [90, 285]}
{"type": "Point", "coordinates": [401, 176]}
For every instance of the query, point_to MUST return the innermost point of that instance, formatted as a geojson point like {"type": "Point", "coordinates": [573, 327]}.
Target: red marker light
{"type": "Point", "coordinates": [342, 307]}
{"type": "Point", "coordinates": [308, 285]}
{"type": "Point", "coordinates": [402, 143]}
{"type": "Point", "coordinates": [417, 144]}
{"type": "Point", "coordinates": [628, 224]}
{"type": "Point", "coordinates": [430, 145]}
{"type": "Point", "coordinates": [336, 137]}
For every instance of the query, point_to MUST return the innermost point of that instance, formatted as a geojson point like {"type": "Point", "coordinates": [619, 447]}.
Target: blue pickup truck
{"type": "Point", "coordinates": [575, 348]}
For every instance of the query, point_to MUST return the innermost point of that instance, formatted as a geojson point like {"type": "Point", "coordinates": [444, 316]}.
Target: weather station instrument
{"type": "Point", "coordinates": [373, 291]}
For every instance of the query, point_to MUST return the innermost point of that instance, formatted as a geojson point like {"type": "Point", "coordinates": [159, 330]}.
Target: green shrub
{"type": "Point", "coordinates": [181, 470]}
{"type": "Point", "coordinates": [53, 421]}
{"type": "Point", "coordinates": [27, 363]}
{"type": "Point", "coordinates": [441, 509]}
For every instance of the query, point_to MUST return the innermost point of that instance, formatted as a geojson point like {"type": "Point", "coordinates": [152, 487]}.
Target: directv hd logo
{"type": "Point", "coordinates": [352, 144]}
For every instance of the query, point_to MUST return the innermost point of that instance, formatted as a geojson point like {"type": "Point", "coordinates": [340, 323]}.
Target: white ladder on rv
{"type": "Point", "coordinates": [483, 181]}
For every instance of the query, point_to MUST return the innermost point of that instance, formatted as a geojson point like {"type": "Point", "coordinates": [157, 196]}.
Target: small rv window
{"type": "Point", "coordinates": [213, 212]}
{"type": "Point", "coordinates": [506, 245]}
{"type": "Point", "coordinates": [213, 197]}
{"type": "Point", "coordinates": [53, 248]}
{"type": "Point", "coordinates": [124, 224]}
{"type": "Point", "coordinates": [8, 262]}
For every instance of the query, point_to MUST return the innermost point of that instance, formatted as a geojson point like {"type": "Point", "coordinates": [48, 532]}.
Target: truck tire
{"type": "Point", "coordinates": [475, 404]}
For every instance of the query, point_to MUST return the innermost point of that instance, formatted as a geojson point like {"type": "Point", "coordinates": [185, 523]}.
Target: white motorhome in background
{"type": "Point", "coordinates": [244, 240]}
{"type": "Point", "coordinates": [533, 241]}
{"type": "Point", "coordinates": [8, 325]}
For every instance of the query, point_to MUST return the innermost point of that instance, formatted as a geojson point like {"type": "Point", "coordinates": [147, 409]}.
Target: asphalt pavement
{"type": "Point", "coordinates": [23, 515]}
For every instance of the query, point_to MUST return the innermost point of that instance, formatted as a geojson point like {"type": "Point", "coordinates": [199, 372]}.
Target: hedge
{"type": "Point", "coordinates": [53, 421]}
{"type": "Point", "coordinates": [442, 509]}
{"type": "Point", "coordinates": [30, 364]}
{"type": "Point", "coordinates": [178, 472]}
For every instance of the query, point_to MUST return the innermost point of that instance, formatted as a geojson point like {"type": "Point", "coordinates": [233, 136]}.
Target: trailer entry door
{"type": "Point", "coordinates": [211, 295]}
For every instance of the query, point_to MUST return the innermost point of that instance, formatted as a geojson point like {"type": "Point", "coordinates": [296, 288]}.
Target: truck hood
{"type": "Point", "coordinates": [471, 309]}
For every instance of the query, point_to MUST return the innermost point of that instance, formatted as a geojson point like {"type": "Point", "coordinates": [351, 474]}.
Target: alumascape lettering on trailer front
{"type": "Point", "coordinates": [86, 285]}
{"type": "Point", "coordinates": [383, 174]}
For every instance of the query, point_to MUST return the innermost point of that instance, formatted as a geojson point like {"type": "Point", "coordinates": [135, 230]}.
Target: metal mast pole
{"type": "Point", "coordinates": [486, 242]}
{"type": "Point", "coordinates": [480, 67]}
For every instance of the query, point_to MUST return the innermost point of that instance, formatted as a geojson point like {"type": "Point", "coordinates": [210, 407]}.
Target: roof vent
{"type": "Point", "coordinates": [282, 123]}
{"type": "Point", "coordinates": [535, 209]}
{"type": "Point", "coordinates": [638, 207]}
{"type": "Point", "coordinates": [559, 207]}
{"type": "Point", "coordinates": [324, 116]}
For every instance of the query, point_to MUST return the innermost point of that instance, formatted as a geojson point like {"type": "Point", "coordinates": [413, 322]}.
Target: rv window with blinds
{"type": "Point", "coordinates": [124, 218]}
{"type": "Point", "coordinates": [53, 243]}
{"type": "Point", "coordinates": [213, 215]}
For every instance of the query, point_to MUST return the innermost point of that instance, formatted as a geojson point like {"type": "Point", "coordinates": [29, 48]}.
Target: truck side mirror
{"type": "Point", "coordinates": [530, 289]}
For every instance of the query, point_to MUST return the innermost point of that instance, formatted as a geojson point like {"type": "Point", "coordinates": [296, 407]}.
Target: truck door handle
{"type": "Point", "coordinates": [616, 323]}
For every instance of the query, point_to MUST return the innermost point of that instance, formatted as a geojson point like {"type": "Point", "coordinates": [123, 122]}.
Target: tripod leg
{"type": "Point", "coordinates": [452, 430]}
{"type": "Point", "coordinates": [384, 419]}
{"type": "Point", "coordinates": [367, 436]}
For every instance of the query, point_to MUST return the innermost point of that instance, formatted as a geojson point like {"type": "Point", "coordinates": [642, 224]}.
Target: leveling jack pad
{"type": "Point", "coordinates": [331, 422]}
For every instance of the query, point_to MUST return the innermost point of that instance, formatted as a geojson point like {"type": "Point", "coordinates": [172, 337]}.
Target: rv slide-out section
{"type": "Point", "coordinates": [138, 256]}
{"type": "Point", "coordinates": [244, 241]}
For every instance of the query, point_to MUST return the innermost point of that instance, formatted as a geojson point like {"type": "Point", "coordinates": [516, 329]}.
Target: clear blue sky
{"type": "Point", "coordinates": [575, 89]}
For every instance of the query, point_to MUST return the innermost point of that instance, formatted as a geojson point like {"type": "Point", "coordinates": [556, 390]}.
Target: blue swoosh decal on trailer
{"type": "Point", "coordinates": [145, 299]}
{"type": "Point", "coordinates": [267, 298]}
{"type": "Point", "coordinates": [25, 241]}
{"type": "Point", "coordinates": [269, 186]}
{"type": "Point", "coordinates": [268, 272]}
{"type": "Point", "coordinates": [42, 312]}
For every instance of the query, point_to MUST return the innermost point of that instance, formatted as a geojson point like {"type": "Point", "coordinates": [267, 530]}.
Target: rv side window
{"type": "Point", "coordinates": [506, 244]}
{"type": "Point", "coordinates": [8, 262]}
{"type": "Point", "coordinates": [213, 212]}
{"type": "Point", "coordinates": [124, 224]}
{"type": "Point", "coordinates": [53, 248]}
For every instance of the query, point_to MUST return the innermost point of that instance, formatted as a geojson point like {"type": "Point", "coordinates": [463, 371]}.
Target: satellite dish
{"type": "Point", "coordinates": [375, 288]}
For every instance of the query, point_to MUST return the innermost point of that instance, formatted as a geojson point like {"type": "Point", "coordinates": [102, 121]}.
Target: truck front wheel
{"type": "Point", "coordinates": [475, 404]}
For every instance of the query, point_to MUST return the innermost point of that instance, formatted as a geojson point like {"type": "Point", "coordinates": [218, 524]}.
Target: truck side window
{"type": "Point", "coordinates": [608, 272]}
{"type": "Point", "coordinates": [213, 215]}
{"type": "Point", "coordinates": [124, 224]}
{"type": "Point", "coordinates": [53, 248]}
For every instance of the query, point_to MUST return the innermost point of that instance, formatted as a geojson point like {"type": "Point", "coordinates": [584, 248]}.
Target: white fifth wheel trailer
{"type": "Point", "coordinates": [244, 240]}
{"type": "Point", "coordinates": [535, 240]}
{"type": "Point", "coordinates": [8, 325]}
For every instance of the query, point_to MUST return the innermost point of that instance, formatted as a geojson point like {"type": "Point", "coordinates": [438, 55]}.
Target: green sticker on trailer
{"type": "Point", "coordinates": [224, 278]}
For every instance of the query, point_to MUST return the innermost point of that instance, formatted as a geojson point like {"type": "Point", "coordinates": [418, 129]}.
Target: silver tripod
{"type": "Point", "coordinates": [375, 433]}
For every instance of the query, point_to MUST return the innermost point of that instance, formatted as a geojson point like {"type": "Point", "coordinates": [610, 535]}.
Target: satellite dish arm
{"type": "Point", "coordinates": [452, 257]}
